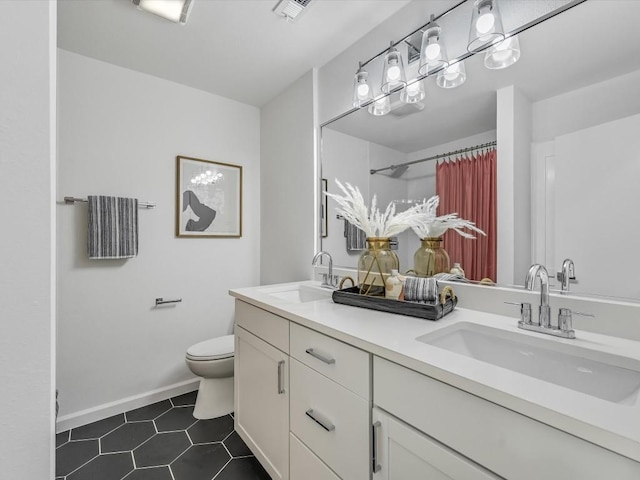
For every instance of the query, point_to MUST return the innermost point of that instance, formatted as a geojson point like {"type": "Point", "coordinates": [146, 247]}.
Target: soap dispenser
{"type": "Point", "coordinates": [393, 286]}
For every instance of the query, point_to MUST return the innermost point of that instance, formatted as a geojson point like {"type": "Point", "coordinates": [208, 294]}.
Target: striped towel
{"type": "Point", "coordinates": [420, 289]}
{"type": "Point", "coordinates": [113, 227]}
{"type": "Point", "coordinates": [356, 238]}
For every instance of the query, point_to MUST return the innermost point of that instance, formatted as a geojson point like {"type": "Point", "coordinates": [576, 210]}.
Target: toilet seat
{"type": "Point", "coordinates": [213, 349]}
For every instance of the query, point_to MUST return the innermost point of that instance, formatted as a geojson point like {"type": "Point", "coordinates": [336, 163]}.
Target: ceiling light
{"type": "Point", "coordinates": [486, 25]}
{"type": "Point", "coordinates": [381, 106]}
{"type": "Point", "coordinates": [413, 92]}
{"type": "Point", "coordinates": [433, 54]}
{"type": "Point", "coordinates": [393, 71]}
{"type": "Point", "coordinates": [452, 76]}
{"type": "Point", "coordinates": [361, 89]}
{"type": "Point", "coordinates": [503, 54]}
{"type": "Point", "coordinates": [175, 10]}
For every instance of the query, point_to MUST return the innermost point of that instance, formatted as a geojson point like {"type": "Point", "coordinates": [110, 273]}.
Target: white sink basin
{"type": "Point", "coordinates": [608, 377]}
{"type": "Point", "coordinates": [300, 293]}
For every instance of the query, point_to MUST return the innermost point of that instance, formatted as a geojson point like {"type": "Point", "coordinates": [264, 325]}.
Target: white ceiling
{"type": "Point", "coordinates": [238, 49]}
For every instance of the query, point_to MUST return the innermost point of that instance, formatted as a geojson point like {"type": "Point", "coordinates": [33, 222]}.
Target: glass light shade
{"type": "Point", "coordinates": [393, 75]}
{"type": "Point", "coordinates": [503, 54]}
{"type": "Point", "coordinates": [413, 92]}
{"type": "Point", "coordinates": [380, 107]}
{"type": "Point", "coordinates": [486, 25]}
{"type": "Point", "coordinates": [433, 54]}
{"type": "Point", "coordinates": [361, 89]}
{"type": "Point", "coordinates": [452, 76]}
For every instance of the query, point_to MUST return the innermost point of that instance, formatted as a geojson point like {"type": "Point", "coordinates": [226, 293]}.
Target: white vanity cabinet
{"type": "Point", "coordinates": [504, 442]}
{"type": "Point", "coordinates": [330, 407]}
{"type": "Point", "coordinates": [261, 379]}
{"type": "Point", "coordinates": [401, 452]}
{"type": "Point", "coordinates": [306, 416]}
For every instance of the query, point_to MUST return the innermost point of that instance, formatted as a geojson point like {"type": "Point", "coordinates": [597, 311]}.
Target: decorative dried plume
{"type": "Point", "coordinates": [374, 223]}
{"type": "Point", "coordinates": [437, 226]}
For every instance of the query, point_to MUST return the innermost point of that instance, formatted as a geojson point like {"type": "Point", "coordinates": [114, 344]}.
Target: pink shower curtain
{"type": "Point", "coordinates": [467, 186]}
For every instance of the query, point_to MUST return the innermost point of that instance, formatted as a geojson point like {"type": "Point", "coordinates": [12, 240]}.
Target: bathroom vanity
{"type": "Point", "coordinates": [328, 391]}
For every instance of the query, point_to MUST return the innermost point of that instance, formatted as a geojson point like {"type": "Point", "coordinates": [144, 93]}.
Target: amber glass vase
{"type": "Point", "coordinates": [375, 265]}
{"type": "Point", "coordinates": [431, 258]}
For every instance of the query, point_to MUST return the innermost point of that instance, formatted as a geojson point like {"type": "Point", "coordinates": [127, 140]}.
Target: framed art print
{"type": "Point", "coordinates": [209, 198]}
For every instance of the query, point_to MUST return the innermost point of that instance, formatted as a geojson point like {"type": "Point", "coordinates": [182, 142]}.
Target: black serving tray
{"type": "Point", "coordinates": [429, 311]}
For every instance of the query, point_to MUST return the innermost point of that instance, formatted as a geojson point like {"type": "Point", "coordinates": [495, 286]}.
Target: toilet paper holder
{"type": "Point", "coordinates": [162, 301]}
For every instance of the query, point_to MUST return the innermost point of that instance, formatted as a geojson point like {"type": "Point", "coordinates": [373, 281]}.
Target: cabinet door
{"type": "Point", "coordinates": [401, 453]}
{"type": "Point", "coordinates": [262, 401]}
{"type": "Point", "coordinates": [305, 465]}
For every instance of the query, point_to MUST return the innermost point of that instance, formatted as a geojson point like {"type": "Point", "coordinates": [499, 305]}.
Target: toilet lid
{"type": "Point", "coordinates": [213, 349]}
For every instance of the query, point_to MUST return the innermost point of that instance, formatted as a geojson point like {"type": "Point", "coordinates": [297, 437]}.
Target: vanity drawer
{"type": "Point", "coordinates": [503, 441]}
{"type": "Point", "coordinates": [305, 465]}
{"type": "Point", "coordinates": [332, 421]}
{"type": "Point", "coordinates": [265, 325]}
{"type": "Point", "coordinates": [342, 363]}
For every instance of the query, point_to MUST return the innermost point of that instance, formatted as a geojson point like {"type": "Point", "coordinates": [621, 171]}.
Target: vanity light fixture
{"type": "Point", "coordinates": [413, 92]}
{"type": "Point", "coordinates": [393, 71]}
{"type": "Point", "coordinates": [503, 54]}
{"type": "Point", "coordinates": [176, 11]}
{"type": "Point", "coordinates": [380, 107]}
{"type": "Point", "coordinates": [486, 25]}
{"type": "Point", "coordinates": [452, 76]}
{"type": "Point", "coordinates": [433, 54]}
{"type": "Point", "coordinates": [361, 89]}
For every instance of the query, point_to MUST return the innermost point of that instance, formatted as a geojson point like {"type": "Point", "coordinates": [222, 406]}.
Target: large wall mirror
{"type": "Point", "coordinates": [580, 73]}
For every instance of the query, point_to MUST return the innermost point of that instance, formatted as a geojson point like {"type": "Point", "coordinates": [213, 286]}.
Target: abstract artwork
{"type": "Point", "coordinates": [209, 198]}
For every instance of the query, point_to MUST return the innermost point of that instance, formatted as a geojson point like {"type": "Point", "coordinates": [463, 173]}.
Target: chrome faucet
{"type": "Point", "coordinates": [328, 280]}
{"type": "Point", "coordinates": [567, 274]}
{"type": "Point", "coordinates": [537, 270]}
{"type": "Point", "coordinates": [565, 325]}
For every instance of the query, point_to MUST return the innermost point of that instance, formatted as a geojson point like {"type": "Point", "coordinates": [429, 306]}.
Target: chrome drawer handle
{"type": "Point", "coordinates": [322, 358]}
{"type": "Point", "coordinates": [280, 377]}
{"type": "Point", "coordinates": [376, 466]}
{"type": "Point", "coordinates": [328, 426]}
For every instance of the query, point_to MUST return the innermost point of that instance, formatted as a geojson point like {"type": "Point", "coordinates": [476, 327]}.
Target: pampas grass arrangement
{"type": "Point", "coordinates": [371, 220]}
{"type": "Point", "coordinates": [421, 217]}
{"type": "Point", "coordinates": [435, 226]}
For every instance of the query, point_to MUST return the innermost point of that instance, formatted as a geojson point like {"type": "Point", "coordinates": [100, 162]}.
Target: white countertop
{"type": "Point", "coordinates": [611, 425]}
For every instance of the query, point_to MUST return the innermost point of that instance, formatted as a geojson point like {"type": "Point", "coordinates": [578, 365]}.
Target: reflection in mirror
{"type": "Point", "coordinates": [574, 136]}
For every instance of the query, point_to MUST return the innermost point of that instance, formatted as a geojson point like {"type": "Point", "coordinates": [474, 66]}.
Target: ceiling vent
{"type": "Point", "coordinates": [401, 109]}
{"type": "Point", "coordinates": [291, 9]}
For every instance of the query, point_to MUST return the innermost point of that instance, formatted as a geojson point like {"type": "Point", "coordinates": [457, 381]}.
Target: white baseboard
{"type": "Point", "coordinates": [90, 415]}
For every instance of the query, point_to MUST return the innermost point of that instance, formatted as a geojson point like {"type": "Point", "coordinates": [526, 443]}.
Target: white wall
{"type": "Point", "coordinates": [288, 188]}
{"type": "Point", "coordinates": [586, 107]}
{"type": "Point", "coordinates": [513, 178]}
{"type": "Point", "coordinates": [119, 134]}
{"type": "Point", "coordinates": [27, 289]}
{"type": "Point", "coordinates": [346, 158]}
{"type": "Point", "coordinates": [596, 117]}
{"type": "Point", "coordinates": [597, 196]}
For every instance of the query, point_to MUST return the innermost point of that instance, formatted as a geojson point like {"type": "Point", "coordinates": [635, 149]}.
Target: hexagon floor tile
{"type": "Point", "coordinates": [161, 441]}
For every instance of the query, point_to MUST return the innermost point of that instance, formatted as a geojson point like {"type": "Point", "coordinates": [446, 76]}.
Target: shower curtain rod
{"type": "Point", "coordinates": [435, 157]}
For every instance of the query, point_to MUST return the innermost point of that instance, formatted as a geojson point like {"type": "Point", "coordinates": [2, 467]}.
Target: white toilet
{"type": "Point", "coordinates": [213, 361]}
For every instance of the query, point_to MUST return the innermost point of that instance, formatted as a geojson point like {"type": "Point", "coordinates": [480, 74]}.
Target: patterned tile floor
{"type": "Point", "coordinates": [161, 441]}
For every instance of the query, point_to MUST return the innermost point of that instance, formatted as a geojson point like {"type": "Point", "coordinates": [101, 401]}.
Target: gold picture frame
{"type": "Point", "coordinates": [208, 198]}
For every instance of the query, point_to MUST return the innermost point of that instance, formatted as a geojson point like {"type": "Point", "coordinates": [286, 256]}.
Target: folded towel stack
{"type": "Point", "coordinates": [113, 227]}
{"type": "Point", "coordinates": [420, 289]}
